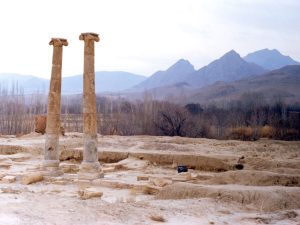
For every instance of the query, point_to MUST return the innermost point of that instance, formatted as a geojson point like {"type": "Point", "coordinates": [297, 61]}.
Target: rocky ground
{"type": "Point", "coordinates": [228, 182]}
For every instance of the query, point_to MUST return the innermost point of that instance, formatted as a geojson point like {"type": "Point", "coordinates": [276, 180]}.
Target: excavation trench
{"type": "Point", "coordinates": [265, 199]}
{"type": "Point", "coordinates": [198, 162]}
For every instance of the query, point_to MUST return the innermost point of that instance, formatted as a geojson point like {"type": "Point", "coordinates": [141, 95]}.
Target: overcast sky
{"type": "Point", "coordinates": [142, 36]}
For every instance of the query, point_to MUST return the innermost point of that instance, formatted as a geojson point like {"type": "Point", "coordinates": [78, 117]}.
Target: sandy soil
{"type": "Point", "coordinates": [141, 184]}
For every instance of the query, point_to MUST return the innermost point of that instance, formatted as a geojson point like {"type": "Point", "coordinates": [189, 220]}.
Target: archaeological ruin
{"type": "Point", "coordinates": [142, 179]}
{"type": "Point", "coordinates": [51, 152]}
{"type": "Point", "coordinates": [90, 166]}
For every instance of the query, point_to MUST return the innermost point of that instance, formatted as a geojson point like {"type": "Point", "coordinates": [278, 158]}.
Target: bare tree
{"type": "Point", "coordinates": [171, 119]}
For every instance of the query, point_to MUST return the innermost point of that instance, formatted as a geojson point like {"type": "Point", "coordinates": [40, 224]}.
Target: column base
{"type": "Point", "coordinates": [51, 168]}
{"type": "Point", "coordinates": [90, 171]}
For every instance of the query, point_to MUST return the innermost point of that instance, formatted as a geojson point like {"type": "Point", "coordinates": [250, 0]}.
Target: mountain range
{"type": "Point", "coordinates": [29, 84]}
{"type": "Point", "coordinates": [175, 74]}
{"type": "Point", "coordinates": [181, 79]}
{"type": "Point", "coordinates": [270, 59]}
{"type": "Point", "coordinates": [105, 81]}
{"type": "Point", "coordinates": [226, 78]}
{"type": "Point", "coordinates": [229, 67]}
{"type": "Point", "coordinates": [277, 84]}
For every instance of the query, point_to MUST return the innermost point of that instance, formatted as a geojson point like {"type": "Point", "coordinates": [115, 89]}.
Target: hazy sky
{"type": "Point", "coordinates": [142, 36]}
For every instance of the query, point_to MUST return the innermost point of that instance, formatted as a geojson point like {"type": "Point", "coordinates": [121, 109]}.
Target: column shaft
{"type": "Point", "coordinates": [51, 151]}
{"type": "Point", "coordinates": [90, 167]}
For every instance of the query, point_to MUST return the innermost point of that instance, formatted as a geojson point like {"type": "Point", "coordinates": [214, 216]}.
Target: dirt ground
{"type": "Point", "coordinates": [141, 184]}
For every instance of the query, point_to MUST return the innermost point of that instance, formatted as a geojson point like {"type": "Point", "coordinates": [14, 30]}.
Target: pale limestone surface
{"type": "Point", "coordinates": [9, 179]}
{"type": "Point", "coordinates": [136, 189]}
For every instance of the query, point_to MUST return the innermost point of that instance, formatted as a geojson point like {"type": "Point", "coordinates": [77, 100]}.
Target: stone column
{"type": "Point", "coordinates": [51, 152]}
{"type": "Point", "coordinates": [90, 166]}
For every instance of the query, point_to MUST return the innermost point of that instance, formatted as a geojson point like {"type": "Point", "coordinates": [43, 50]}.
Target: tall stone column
{"type": "Point", "coordinates": [90, 166]}
{"type": "Point", "coordinates": [51, 152]}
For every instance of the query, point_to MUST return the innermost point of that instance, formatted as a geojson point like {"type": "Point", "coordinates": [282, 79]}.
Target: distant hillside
{"type": "Point", "coordinates": [178, 81]}
{"type": "Point", "coordinates": [283, 83]}
{"type": "Point", "coordinates": [270, 59]}
{"type": "Point", "coordinates": [28, 84]}
{"type": "Point", "coordinates": [229, 67]}
{"type": "Point", "coordinates": [175, 74]}
{"type": "Point", "coordinates": [226, 77]}
{"type": "Point", "coordinates": [104, 82]}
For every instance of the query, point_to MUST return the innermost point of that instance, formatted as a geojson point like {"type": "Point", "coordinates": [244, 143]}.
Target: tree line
{"type": "Point", "coordinates": [248, 118]}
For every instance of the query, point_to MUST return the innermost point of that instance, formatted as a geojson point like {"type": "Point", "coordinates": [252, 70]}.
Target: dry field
{"type": "Point", "coordinates": [141, 184]}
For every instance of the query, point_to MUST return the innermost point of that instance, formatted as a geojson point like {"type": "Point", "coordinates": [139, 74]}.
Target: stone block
{"type": "Point", "coordinates": [160, 182]}
{"type": "Point", "coordinates": [138, 178]}
{"type": "Point", "coordinates": [89, 193]}
{"type": "Point", "coordinates": [9, 179]}
{"type": "Point", "coordinates": [182, 177]}
{"type": "Point", "coordinates": [40, 124]}
{"type": "Point", "coordinates": [69, 167]}
{"type": "Point", "coordinates": [32, 178]}
{"type": "Point", "coordinates": [108, 169]}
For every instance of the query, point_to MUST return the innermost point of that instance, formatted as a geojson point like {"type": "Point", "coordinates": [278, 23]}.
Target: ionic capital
{"type": "Point", "coordinates": [89, 36]}
{"type": "Point", "coordinates": [58, 42]}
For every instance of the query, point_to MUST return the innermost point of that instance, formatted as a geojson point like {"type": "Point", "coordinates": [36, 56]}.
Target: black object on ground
{"type": "Point", "coordinates": [181, 169]}
{"type": "Point", "coordinates": [238, 166]}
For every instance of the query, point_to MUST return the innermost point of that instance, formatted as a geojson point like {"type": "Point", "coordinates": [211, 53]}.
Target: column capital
{"type": "Point", "coordinates": [58, 42]}
{"type": "Point", "coordinates": [89, 36]}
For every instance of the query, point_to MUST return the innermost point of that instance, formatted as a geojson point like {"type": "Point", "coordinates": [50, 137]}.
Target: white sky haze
{"type": "Point", "coordinates": [143, 36]}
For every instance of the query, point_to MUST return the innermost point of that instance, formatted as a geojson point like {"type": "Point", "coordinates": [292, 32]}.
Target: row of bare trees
{"type": "Point", "coordinates": [17, 110]}
{"type": "Point", "coordinates": [247, 118]}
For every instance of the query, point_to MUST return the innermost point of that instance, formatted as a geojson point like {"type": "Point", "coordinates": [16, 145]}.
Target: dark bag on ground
{"type": "Point", "coordinates": [181, 169]}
